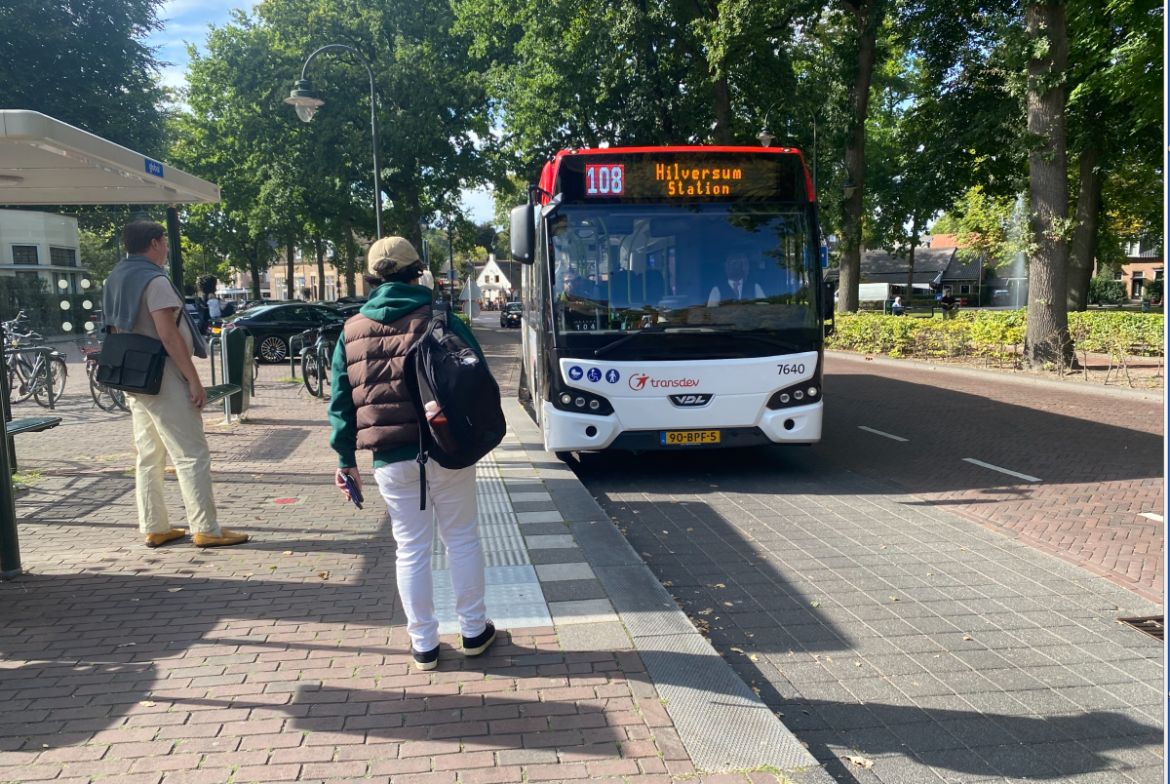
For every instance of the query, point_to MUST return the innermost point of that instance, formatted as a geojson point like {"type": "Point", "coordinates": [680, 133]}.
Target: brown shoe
{"type": "Point", "coordinates": [224, 539]}
{"type": "Point", "coordinates": [158, 540]}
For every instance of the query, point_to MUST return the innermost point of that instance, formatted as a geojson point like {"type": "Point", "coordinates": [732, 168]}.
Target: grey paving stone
{"type": "Point", "coordinates": [585, 611]}
{"type": "Point", "coordinates": [538, 517]}
{"type": "Point", "coordinates": [553, 542]}
{"type": "Point", "coordinates": [543, 529]}
{"type": "Point", "coordinates": [571, 590]}
{"type": "Point", "coordinates": [926, 736]}
{"type": "Point", "coordinates": [559, 556]}
{"type": "Point", "coordinates": [604, 636]}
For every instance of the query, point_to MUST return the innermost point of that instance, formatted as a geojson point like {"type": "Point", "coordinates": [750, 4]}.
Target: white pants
{"type": "Point", "coordinates": [168, 423]}
{"type": "Point", "coordinates": [451, 501]}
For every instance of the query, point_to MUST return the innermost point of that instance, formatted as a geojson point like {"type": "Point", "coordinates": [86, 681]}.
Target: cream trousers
{"type": "Point", "coordinates": [164, 424]}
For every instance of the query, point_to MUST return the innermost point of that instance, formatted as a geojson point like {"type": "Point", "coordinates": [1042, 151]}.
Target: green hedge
{"type": "Point", "coordinates": [994, 333]}
{"type": "Point", "coordinates": [43, 306]}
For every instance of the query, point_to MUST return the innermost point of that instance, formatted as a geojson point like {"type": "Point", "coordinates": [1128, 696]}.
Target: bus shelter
{"type": "Point", "coordinates": [45, 162]}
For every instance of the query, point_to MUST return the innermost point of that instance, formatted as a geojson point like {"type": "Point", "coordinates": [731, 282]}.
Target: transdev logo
{"type": "Point", "coordinates": [576, 372]}
{"type": "Point", "coordinates": [640, 381]}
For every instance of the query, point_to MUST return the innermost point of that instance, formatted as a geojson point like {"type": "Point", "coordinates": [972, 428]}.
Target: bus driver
{"type": "Point", "coordinates": [736, 288]}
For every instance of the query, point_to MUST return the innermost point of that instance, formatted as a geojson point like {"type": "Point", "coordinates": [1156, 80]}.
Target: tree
{"type": "Point", "coordinates": [1115, 69]}
{"type": "Point", "coordinates": [1047, 338]}
{"type": "Point", "coordinates": [86, 63]}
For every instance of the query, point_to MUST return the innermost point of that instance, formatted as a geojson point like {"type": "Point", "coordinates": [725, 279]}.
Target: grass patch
{"type": "Point", "coordinates": [23, 480]}
{"type": "Point", "coordinates": [289, 380]}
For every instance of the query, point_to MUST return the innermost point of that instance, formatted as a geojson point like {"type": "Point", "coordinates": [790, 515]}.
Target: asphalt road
{"type": "Point", "coordinates": [853, 585]}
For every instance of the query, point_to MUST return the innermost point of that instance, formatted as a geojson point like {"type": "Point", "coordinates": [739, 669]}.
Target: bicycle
{"type": "Point", "coordinates": [103, 397]}
{"type": "Point", "coordinates": [42, 376]}
{"type": "Point", "coordinates": [315, 358]}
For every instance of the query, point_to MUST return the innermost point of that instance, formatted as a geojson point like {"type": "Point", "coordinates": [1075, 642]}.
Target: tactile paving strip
{"type": "Point", "coordinates": [513, 595]}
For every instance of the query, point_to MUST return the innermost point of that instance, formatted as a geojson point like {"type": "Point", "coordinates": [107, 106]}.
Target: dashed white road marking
{"type": "Point", "coordinates": [880, 433]}
{"type": "Point", "coordinates": [1016, 474]}
{"type": "Point", "coordinates": [1157, 518]}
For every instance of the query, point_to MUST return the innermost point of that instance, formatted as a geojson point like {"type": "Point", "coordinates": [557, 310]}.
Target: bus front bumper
{"type": "Point", "coordinates": [566, 431]}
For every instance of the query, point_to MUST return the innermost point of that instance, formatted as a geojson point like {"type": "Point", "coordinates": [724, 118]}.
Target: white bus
{"type": "Point", "coordinates": [673, 299]}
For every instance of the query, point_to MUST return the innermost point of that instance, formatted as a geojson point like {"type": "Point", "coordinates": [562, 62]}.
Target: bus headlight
{"type": "Point", "coordinates": [812, 391]}
{"type": "Point", "coordinates": [803, 393]}
{"type": "Point", "coordinates": [581, 401]}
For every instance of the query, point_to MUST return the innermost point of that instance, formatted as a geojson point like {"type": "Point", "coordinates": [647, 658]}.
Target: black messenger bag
{"type": "Point", "coordinates": [133, 363]}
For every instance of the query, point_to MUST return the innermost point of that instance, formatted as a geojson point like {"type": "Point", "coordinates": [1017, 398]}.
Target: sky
{"type": "Point", "coordinates": [186, 21]}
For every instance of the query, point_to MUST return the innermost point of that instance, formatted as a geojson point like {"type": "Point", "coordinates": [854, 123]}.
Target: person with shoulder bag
{"type": "Point", "coordinates": [149, 355]}
{"type": "Point", "coordinates": [372, 409]}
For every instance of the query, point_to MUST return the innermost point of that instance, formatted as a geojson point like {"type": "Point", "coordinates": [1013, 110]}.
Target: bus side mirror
{"type": "Point", "coordinates": [523, 234]}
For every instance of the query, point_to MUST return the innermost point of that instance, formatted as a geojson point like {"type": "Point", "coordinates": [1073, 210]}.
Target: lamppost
{"type": "Point", "coordinates": [766, 138]}
{"type": "Point", "coordinates": [306, 101]}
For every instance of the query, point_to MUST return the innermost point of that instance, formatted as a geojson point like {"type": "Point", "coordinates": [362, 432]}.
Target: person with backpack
{"type": "Point", "coordinates": [373, 408]}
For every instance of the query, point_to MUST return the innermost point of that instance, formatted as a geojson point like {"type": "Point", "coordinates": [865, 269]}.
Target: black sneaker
{"type": "Point", "coordinates": [425, 661]}
{"type": "Point", "coordinates": [474, 646]}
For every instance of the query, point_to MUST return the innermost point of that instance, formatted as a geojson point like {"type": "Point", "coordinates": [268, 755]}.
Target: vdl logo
{"type": "Point", "coordinates": [691, 401]}
{"type": "Point", "coordinates": [576, 372]}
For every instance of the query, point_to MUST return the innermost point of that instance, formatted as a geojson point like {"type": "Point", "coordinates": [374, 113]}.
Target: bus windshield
{"type": "Point", "coordinates": [686, 269]}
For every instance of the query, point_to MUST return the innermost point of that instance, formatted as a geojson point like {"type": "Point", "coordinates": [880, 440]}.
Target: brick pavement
{"type": "Point", "coordinates": [1100, 459]}
{"type": "Point", "coordinates": [283, 659]}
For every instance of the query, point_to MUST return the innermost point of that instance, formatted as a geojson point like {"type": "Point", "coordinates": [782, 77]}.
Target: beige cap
{"type": "Point", "coordinates": [390, 255]}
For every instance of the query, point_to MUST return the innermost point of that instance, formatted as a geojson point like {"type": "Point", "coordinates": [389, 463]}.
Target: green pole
{"type": "Point", "coordinates": [176, 249]}
{"type": "Point", "coordinates": [9, 540]}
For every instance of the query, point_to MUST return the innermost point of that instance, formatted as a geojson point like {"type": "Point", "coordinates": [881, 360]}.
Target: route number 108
{"type": "Point", "coordinates": [603, 179]}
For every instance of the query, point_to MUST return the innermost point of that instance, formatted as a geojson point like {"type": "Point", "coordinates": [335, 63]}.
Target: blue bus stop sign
{"type": "Point", "coordinates": [824, 257]}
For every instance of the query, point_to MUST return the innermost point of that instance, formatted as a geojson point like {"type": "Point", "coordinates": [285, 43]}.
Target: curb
{"type": "Point", "coordinates": [1149, 396]}
{"type": "Point", "coordinates": [722, 723]}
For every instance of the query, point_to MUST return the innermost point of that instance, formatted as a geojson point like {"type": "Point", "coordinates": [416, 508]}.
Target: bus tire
{"type": "Point", "coordinates": [522, 389]}
{"type": "Point", "coordinates": [565, 457]}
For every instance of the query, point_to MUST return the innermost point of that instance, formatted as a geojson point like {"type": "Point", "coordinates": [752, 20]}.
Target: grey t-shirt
{"type": "Point", "coordinates": [160, 294]}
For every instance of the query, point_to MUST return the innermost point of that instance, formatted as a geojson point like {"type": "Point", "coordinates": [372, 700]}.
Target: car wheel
{"type": "Point", "coordinates": [273, 349]}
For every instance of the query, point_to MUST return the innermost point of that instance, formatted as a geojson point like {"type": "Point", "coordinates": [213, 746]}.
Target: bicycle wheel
{"type": "Point", "coordinates": [310, 370]}
{"type": "Point", "coordinates": [102, 396]}
{"type": "Point", "coordinates": [119, 398]}
{"type": "Point", "coordinates": [20, 387]}
{"type": "Point", "coordinates": [46, 383]}
{"type": "Point", "coordinates": [60, 376]}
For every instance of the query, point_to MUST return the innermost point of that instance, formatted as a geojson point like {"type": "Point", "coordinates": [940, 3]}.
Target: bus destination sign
{"type": "Point", "coordinates": [668, 177]}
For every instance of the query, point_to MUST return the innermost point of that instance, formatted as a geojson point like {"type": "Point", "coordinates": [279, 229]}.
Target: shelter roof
{"type": "Point", "coordinates": [47, 162]}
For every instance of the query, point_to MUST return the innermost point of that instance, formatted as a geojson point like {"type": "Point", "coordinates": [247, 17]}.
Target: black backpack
{"type": "Point", "coordinates": [443, 369]}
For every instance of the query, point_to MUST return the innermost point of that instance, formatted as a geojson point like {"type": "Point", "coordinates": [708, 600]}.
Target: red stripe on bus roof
{"type": "Point", "coordinates": [548, 175]}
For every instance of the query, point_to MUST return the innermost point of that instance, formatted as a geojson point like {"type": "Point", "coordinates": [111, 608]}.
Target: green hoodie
{"type": "Point", "coordinates": [388, 303]}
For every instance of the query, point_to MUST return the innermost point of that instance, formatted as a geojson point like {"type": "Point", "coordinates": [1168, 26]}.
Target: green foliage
{"type": "Point", "coordinates": [993, 333]}
{"type": "Point", "coordinates": [1106, 291]}
{"type": "Point", "coordinates": [98, 253]}
{"type": "Point", "coordinates": [1153, 291]}
{"type": "Point", "coordinates": [466, 319]}
{"type": "Point", "coordinates": [86, 63]}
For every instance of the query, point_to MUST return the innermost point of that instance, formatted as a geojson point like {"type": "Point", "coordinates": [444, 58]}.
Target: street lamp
{"type": "Point", "coordinates": [305, 99]}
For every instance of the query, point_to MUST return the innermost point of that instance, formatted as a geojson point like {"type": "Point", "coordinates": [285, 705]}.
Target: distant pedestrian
{"type": "Point", "coordinates": [371, 409]}
{"type": "Point", "coordinates": [138, 297]}
{"type": "Point", "coordinates": [898, 308]}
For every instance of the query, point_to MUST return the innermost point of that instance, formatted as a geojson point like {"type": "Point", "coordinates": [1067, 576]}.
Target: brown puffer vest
{"type": "Point", "coordinates": [375, 354]}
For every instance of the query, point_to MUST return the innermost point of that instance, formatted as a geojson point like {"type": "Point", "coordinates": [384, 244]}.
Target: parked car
{"type": "Point", "coordinates": [354, 300]}
{"type": "Point", "coordinates": [1000, 297]}
{"type": "Point", "coordinates": [272, 325]}
{"type": "Point", "coordinates": [510, 315]}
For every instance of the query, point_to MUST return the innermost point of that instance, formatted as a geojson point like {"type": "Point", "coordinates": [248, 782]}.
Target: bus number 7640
{"type": "Point", "coordinates": [605, 179]}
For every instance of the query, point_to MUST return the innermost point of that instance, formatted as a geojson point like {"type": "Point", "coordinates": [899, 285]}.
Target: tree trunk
{"type": "Point", "coordinates": [1084, 245]}
{"type": "Point", "coordinates": [855, 160]}
{"type": "Point", "coordinates": [350, 262]}
{"type": "Point", "coordinates": [1047, 336]}
{"type": "Point", "coordinates": [910, 272]}
{"type": "Point", "coordinates": [254, 268]}
{"type": "Point", "coordinates": [723, 132]}
{"type": "Point", "coordinates": [290, 250]}
{"type": "Point", "coordinates": [319, 248]}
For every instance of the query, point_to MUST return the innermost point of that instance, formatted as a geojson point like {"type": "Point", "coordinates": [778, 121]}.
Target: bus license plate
{"type": "Point", "coordinates": [689, 437]}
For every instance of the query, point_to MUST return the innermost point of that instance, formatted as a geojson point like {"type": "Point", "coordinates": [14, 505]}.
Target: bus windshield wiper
{"type": "Point", "coordinates": [620, 341]}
